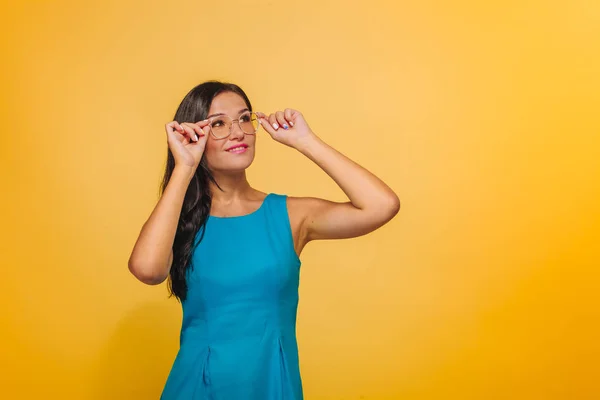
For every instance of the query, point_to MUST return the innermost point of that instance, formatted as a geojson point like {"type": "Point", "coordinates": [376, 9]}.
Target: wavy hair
{"type": "Point", "coordinates": [196, 204]}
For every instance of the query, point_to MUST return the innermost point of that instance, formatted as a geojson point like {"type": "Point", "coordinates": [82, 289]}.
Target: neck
{"type": "Point", "coordinates": [234, 185]}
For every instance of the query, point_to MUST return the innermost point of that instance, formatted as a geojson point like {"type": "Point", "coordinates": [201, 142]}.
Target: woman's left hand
{"type": "Point", "coordinates": [288, 127]}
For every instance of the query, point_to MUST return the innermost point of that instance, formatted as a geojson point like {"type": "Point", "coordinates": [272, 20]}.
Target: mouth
{"type": "Point", "coordinates": [238, 149]}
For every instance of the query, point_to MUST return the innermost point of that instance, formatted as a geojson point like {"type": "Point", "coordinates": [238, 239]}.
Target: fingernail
{"type": "Point", "coordinates": [285, 126]}
{"type": "Point", "coordinates": [196, 137]}
{"type": "Point", "coordinates": [275, 126]}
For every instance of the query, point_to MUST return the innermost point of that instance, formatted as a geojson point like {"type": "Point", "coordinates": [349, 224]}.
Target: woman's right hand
{"type": "Point", "coordinates": [187, 141]}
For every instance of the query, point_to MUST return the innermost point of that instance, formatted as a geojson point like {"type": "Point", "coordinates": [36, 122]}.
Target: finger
{"type": "Point", "coordinates": [203, 123]}
{"type": "Point", "coordinates": [190, 133]}
{"type": "Point", "coordinates": [204, 127]}
{"type": "Point", "coordinates": [197, 129]}
{"type": "Point", "coordinates": [262, 118]}
{"type": "Point", "coordinates": [281, 120]}
{"type": "Point", "coordinates": [179, 128]}
{"type": "Point", "coordinates": [273, 121]}
{"type": "Point", "coordinates": [267, 125]}
{"type": "Point", "coordinates": [174, 126]}
{"type": "Point", "coordinates": [199, 146]}
{"type": "Point", "coordinates": [169, 129]}
{"type": "Point", "coordinates": [176, 139]}
{"type": "Point", "coordinates": [173, 134]}
{"type": "Point", "coordinates": [289, 117]}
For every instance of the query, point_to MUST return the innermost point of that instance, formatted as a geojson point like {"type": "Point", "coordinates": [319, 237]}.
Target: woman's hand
{"type": "Point", "coordinates": [186, 141]}
{"type": "Point", "coordinates": [288, 127]}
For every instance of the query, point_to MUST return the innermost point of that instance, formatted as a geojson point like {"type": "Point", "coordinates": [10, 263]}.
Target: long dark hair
{"type": "Point", "coordinates": [196, 204]}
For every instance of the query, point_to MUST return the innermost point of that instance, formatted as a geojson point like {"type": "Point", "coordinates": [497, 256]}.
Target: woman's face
{"type": "Point", "coordinates": [220, 154]}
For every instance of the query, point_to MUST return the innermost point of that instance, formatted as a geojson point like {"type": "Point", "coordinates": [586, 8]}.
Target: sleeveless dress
{"type": "Point", "coordinates": [238, 334]}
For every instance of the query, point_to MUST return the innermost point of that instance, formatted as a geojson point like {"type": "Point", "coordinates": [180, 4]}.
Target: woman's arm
{"type": "Point", "coordinates": [152, 255]}
{"type": "Point", "coordinates": [372, 203]}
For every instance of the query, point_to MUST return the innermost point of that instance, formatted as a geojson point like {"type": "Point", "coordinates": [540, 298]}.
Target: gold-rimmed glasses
{"type": "Point", "coordinates": [220, 125]}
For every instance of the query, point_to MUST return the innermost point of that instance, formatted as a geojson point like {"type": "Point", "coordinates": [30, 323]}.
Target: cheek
{"type": "Point", "coordinates": [210, 150]}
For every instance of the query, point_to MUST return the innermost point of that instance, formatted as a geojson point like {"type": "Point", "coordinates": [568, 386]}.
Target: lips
{"type": "Point", "coordinates": [237, 147]}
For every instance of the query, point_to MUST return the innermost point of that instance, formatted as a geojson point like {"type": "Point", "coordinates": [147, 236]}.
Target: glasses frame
{"type": "Point", "coordinates": [233, 121]}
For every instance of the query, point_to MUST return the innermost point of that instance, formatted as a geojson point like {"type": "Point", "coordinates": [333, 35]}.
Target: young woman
{"type": "Point", "coordinates": [231, 252]}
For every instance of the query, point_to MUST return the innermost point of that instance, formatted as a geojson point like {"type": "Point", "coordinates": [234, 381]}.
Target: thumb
{"type": "Point", "coordinates": [264, 122]}
{"type": "Point", "coordinates": [198, 147]}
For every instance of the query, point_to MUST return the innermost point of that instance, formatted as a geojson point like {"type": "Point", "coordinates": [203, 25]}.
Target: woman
{"type": "Point", "coordinates": [231, 252]}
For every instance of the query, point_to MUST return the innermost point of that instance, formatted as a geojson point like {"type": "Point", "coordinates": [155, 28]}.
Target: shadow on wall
{"type": "Point", "coordinates": [136, 360]}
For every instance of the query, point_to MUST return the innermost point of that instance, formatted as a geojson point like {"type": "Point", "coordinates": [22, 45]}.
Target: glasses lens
{"type": "Point", "coordinates": [220, 126]}
{"type": "Point", "coordinates": [249, 123]}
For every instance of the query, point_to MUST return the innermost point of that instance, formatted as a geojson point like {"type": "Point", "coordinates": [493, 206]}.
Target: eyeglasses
{"type": "Point", "coordinates": [220, 125]}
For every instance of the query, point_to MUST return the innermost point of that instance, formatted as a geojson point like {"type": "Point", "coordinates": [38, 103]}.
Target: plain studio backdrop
{"type": "Point", "coordinates": [482, 116]}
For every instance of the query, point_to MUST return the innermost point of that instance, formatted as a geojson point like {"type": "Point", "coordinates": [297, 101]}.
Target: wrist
{"type": "Point", "coordinates": [306, 145]}
{"type": "Point", "coordinates": [183, 172]}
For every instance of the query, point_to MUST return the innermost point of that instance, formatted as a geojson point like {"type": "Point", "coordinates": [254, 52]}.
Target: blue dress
{"type": "Point", "coordinates": [238, 335]}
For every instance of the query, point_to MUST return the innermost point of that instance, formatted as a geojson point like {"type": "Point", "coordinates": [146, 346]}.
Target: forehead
{"type": "Point", "coordinates": [227, 103]}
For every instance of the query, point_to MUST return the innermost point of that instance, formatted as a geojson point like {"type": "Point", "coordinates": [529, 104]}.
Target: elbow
{"type": "Point", "coordinates": [389, 208]}
{"type": "Point", "coordinates": [384, 209]}
{"type": "Point", "coordinates": [392, 206]}
{"type": "Point", "coordinates": [147, 273]}
{"type": "Point", "coordinates": [397, 206]}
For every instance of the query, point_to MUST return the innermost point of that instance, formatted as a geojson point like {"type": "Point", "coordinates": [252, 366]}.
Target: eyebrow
{"type": "Point", "coordinates": [217, 114]}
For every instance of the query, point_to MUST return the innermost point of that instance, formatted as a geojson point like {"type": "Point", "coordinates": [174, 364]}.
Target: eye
{"type": "Point", "coordinates": [216, 123]}
{"type": "Point", "coordinates": [245, 118]}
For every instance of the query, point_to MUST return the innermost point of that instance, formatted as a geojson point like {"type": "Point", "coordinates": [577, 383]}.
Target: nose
{"type": "Point", "coordinates": [236, 131]}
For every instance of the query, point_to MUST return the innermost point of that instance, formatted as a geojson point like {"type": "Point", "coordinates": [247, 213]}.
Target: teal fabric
{"type": "Point", "coordinates": [238, 335]}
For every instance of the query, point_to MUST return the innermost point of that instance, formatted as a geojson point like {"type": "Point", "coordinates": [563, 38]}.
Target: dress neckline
{"type": "Point", "coordinates": [245, 215]}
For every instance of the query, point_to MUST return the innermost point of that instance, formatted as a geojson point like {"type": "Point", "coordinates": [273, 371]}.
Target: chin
{"type": "Point", "coordinates": [235, 164]}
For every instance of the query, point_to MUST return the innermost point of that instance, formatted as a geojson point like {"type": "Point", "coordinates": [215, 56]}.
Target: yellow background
{"type": "Point", "coordinates": [482, 116]}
